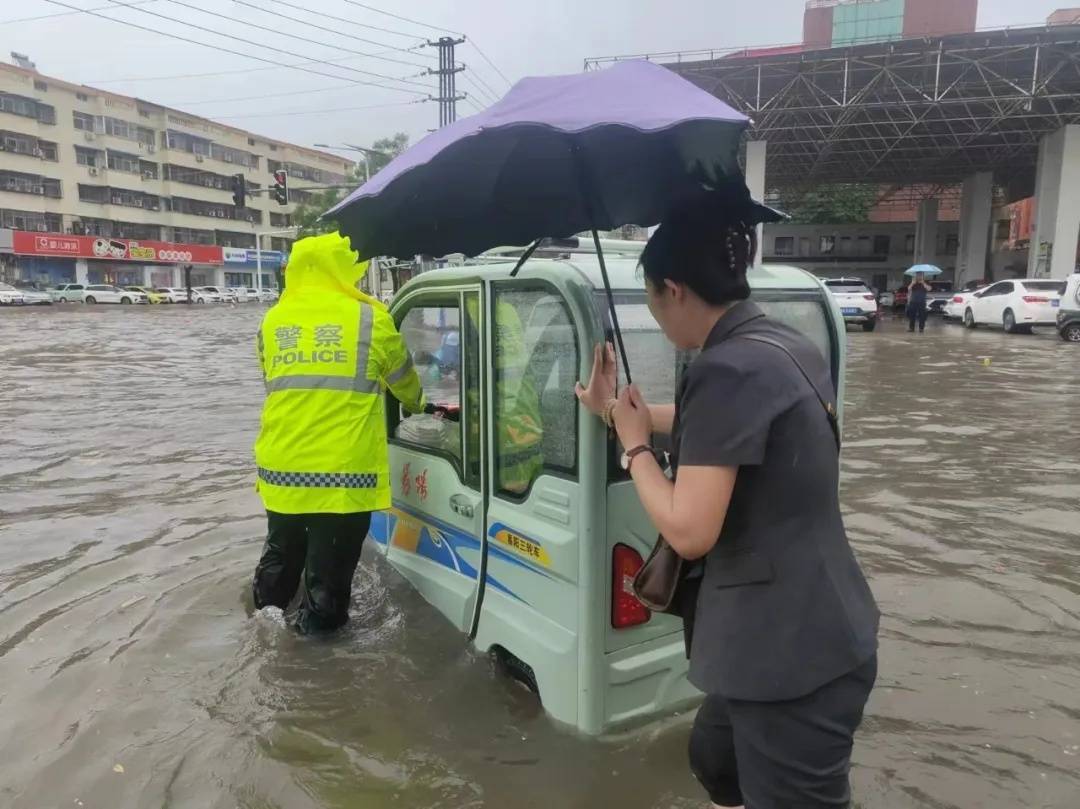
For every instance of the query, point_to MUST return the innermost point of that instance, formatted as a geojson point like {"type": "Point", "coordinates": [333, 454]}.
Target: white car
{"type": "Point", "coordinates": [172, 294]}
{"type": "Point", "coordinates": [206, 295]}
{"type": "Point", "coordinates": [239, 294]}
{"type": "Point", "coordinates": [32, 296]}
{"type": "Point", "coordinates": [226, 294]}
{"type": "Point", "coordinates": [954, 309]}
{"type": "Point", "coordinates": [107, 293]}
{"type": "Point", "coordinates": [1016, 305]}
{"type": "Point", "coordinates": [68, 293]}
{"type": "Point", "coordinates": [857, 302]}
{"type": "Point", "coordinates": [268, 296]}
{"type": "Point", "coordinates": [10, 296]}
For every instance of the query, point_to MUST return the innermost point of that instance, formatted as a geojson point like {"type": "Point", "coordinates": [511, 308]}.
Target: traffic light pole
{"type": "Point", "coordinates": [258, 254]}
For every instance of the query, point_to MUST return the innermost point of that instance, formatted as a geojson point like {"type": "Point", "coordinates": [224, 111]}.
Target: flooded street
{"type": "Point", "coordinates": [132, 674]}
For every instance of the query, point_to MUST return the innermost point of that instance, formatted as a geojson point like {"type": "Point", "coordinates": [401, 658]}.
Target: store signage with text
{"type": "Point", "coordinates": [55, 244]}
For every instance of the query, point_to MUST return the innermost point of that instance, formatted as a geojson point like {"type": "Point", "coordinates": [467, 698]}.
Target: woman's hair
{"type": "Point", "coordinates": [704, 247]}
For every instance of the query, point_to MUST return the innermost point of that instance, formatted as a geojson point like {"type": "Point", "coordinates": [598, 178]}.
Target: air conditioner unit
{"type": "Point", "coordinates": [93, 172]}
{"type": "Point", "coordinates": [198, 158]}
{"type": "Point", "coordinates": [88, 135]}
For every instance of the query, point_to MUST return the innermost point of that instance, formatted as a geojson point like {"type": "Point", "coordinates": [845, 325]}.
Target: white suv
{"type": "Point", "coordinates": [857, 302]}
{"type": "Point", "coordinates": [1016, 305]}
{"type": "Point", "coordinates": [68, 293]}
{"type": "Point", "coordinates": [107, 293]}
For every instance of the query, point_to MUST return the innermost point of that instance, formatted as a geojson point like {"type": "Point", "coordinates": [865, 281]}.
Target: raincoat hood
{"type": "Point", "coordinates": [329, 264]}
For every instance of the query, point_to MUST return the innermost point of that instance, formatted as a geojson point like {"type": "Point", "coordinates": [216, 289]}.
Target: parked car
{"type": "Point", "coordinates": [206, 295]}
{"type": "Point", "coordinates": [107, 293]}
{"type": "Point", "coordinates": [858, 304]}
{"type": "Point", "coordinates": [1068, 317]}
{"type": "Point", "coordinates": [172, 294]}
{"type": "Point", "coordinates": [68, 293]}
{"type": "Point", "coordinates": [10, 296]}
{"type": "Point", "coordinates": [152, 296]}
{"type": "Point", "coordinates": [225, 294]}
{"type": "Point", "coordinates": [32, 296]}
{"type": "Point", "coordinates": [886, 299]}
{"type": "Point", "coordinates": [1016, 306]}
{"type": "Point", "coordinates": [940, 295]}
{"type": "Point", "coordinates": [957, 304]}
{"type": "Point", "coordinates": [900, 299]}
{"type": "Point", "coordinates": [269, 296]}
{"type": "Point", "coordinates": [238, 294]}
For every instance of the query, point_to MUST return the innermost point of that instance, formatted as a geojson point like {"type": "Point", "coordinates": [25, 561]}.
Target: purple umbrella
{"type": "Point", "coordinates": [558, 155]}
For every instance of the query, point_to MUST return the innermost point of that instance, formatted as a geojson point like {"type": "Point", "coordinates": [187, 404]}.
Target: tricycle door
{"type": "Point", "coordinates": [434, 534]}
{"type": "Point", "coordinates": [530, 606]}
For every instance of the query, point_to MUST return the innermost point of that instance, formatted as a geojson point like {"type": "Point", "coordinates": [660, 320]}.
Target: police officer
{"type": "Point", "coordinates": [783, 631]}
{"type": "Point", "coordinates": [326, 350]}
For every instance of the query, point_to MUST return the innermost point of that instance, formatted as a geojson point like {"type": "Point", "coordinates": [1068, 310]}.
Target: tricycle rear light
{"type": "Point", "coordinates": [626, 610]}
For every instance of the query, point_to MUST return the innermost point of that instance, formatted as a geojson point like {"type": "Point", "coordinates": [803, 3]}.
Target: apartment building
{"type": "Point", "coordinates": [104, 188]}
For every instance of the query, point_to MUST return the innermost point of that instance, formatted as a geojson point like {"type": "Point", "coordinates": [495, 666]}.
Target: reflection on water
{"type": "Point", "coordinates": [130, 530]}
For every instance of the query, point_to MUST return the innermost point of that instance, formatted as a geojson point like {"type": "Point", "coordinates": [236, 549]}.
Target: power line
{"type": "Point", "coordinates": [259, 97]}
{"type": "Point", "coordinates": [227, 50]}
{"type": "Point", "coordinates": [321, 111]}
{"type": "Point", "coordinates": [277, 66]}
{"type": "Point", "coordinates": [403, 19]}
{"type": "Point", "coordinates": [70, 13]}
{"type": "Point", "coordinates": [486, 59]}
{"type": "Point", "coordinates": [479, 91]}
{"type": "Point", "coordinates": [316, 26]}
{"type": "Point", "coordinates": [476, 77]}
{"type": "Point", "coordinates": [345, 20]}
{"type": "Point", "coordinates": [270, 30]}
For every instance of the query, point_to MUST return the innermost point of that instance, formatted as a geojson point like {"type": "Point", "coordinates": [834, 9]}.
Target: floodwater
{"type": "Point", "coordinates": [132, 674]}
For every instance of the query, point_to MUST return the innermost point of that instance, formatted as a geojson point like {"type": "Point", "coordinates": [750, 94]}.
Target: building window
{"type": "Point", "coordinates": [862, 247]}
{"type": "Point", "coordinates": [281, 220]}
{"type": "Point", "coordinates": [827, 245]}
{"type": "Point", "coordinates": [192, 236]}
{"type": "Point", "coordinates": [27, 145]}
{"type": "Point", "coordinates": [273, 147]}
{"type": "Point", "coordinates": [251, 141]}
{"type": "Point", "coordinates": [89, 226]}
{"type": "Point", "coordinates": [83, 121]}
{"type": "Point", "coordinates": [881, 245]}
{"type": "Point", "coordinates": [845, 245]}
{"type": "Point", "coordinates": [46, 150]}
{"type": "Point", "coordinates": [40, 85]}
{"type": "Point", "coordinates": [104, 195]}
{"type": "Point", "coordinates": [784, 246]}
{"type": "Point", "coordinates": [804, 245]}
{"type": "Point", "coordinates": [281, 245]}
{"type": "Point", "coordinates": [227, 238]}
{"type": "Point", "coordinates": [119, 161]}
{"type": "Point", "coordinates": [31, 220]}
{"type": "Point", "coordinates": [909, 243]}
{"type": "Point", "coordinates": [18, 183]}
{"type": "Point", "coordinates": [82, 97]}
{"type": "Point", "coordinates": [87, 157]}
{"type": "Point", "coordinates": [214, 210]}
{"type": "Point", "coordinates": [952, 244]}
{"type": "Point", "coordinates": [27, 108]}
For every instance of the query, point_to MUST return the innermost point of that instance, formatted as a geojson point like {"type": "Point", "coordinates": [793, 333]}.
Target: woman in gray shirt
{"type": "Point", "coordinates": [784, 627]}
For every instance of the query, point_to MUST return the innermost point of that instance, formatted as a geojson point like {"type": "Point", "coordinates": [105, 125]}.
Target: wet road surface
{"type": "Point", "coordinates": [131, 674]}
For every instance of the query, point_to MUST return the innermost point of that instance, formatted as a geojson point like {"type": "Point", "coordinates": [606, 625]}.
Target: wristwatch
{"type": "Point", "coordinates": [628, 457]}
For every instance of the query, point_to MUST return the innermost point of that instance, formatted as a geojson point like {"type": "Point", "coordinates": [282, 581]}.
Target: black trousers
{"type": "Point", "coordinates": [781, 755]}
{"type": "Point", "coordinates": [323, 550]}
{"type": "Point", "coordinates": [916, 313]}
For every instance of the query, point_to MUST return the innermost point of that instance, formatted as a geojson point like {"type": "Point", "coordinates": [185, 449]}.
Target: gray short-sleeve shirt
{"type": "Point", "coordinates": [783, 606]}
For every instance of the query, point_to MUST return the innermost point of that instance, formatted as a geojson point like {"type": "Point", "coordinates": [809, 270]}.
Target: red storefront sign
{"type": "Point", "coordinates": [56, 244]}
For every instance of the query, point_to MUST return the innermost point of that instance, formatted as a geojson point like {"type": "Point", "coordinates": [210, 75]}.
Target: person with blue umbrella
{"type": "Point", "coordinates": [918, 290]}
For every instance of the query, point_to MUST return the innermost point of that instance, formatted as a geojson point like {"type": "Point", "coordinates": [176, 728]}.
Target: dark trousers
{"type": "Point", "coordinates": [323, 550]}
{"type": "Point", "coordinates": [915, 312]}
{"type": "Point", "coordinates": [781, 755]}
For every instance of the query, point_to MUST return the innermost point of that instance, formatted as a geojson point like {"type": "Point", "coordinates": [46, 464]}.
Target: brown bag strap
{"type": "Point", "coordinates": [826, 402]}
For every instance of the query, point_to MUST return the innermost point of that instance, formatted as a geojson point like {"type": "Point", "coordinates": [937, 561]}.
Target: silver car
{"type": "Point", "coordinates": [10, 296]}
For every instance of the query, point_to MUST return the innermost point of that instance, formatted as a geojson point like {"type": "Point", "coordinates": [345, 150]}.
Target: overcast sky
{"type": "Point", "coordinates": [518, 36]}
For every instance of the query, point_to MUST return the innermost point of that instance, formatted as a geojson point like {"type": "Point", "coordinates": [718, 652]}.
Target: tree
{"type": "Point", "coordinates": [306, 216]}
{"type": "Point", "coordinates": [836, 204]}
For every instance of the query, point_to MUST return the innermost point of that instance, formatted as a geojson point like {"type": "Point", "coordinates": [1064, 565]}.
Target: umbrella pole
{"type": "Point", "coordinates": [611, 306]}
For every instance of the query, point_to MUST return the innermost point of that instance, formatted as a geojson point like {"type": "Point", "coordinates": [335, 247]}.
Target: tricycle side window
{"type": "Point", "coordinates": [536, 357]}
{"type": "Point", "coordinates": [442, 335]}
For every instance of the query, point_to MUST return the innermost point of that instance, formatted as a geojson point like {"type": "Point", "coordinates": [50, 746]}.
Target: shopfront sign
{"type": "Point", "coordinates": [54, 244]}
{"type": "Point", "coordinates": [271, 259]}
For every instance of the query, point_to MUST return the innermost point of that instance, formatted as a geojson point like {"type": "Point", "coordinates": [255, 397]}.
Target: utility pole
{"type": "Point", "coordinates": [447, 73]}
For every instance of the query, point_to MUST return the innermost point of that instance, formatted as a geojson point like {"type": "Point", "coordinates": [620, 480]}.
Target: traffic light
{"type": "Point", "coordinates": [239, 190]}
{"type": "Point", "coordinates": [281, 187]}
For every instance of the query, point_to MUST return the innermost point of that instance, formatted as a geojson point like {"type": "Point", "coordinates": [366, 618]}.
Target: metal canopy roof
{"type": "Point", "coordinates": [927, 110]}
